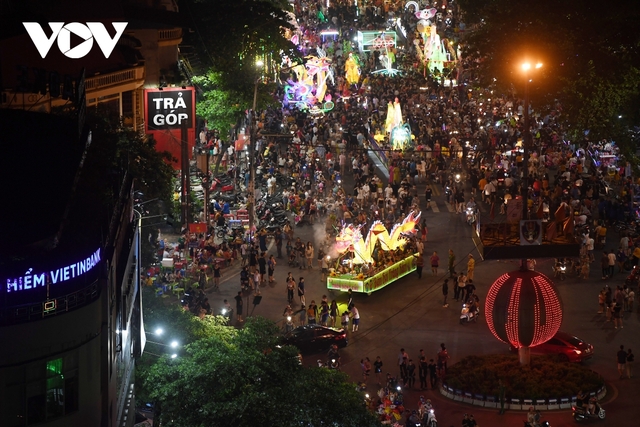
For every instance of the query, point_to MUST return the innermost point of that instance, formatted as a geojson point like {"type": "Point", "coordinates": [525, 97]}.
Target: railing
{"type": "Point", "coordinates": [36, 311]}
{"type": "Point", "coordinates": [111, 79]}
{"type": "Point", "coordinates": [172, 34]}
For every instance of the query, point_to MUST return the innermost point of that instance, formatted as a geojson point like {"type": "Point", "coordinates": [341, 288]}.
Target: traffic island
{"type": "Point", "coordinates": [547, 384]}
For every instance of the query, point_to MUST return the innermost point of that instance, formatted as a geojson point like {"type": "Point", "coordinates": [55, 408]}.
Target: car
{"type": "Point", "coordinates": [316, 338]}
{"type": "Point", "coordinates": [567, 347]}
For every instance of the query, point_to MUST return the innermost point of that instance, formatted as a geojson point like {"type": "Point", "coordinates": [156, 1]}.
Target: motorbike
{"type": "Point", "coordinates": [581, 413]}
{"type": "Point", "coordinates": [467, 315]}
{"type": "Point", "coordinates": [471, 215]}
{"type": "Point", "coordinates": [560, 269]}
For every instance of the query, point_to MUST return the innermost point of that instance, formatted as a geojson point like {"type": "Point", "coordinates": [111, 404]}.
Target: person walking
{"type": "Point", "coordinates": [419, 264]}
{"type": "Point", "coordinates": [443, 356]}
{"type": "Point", "coordinates": [262, 265]}
{"type": "Point", "coordinates": [452, 262]}
{"type": "Point", "coordinates": [629, 363]}
{"type": "Point", "coordinates": [355, 318]}
{"type": "Point", "coordinates": [471, 266]}
{"type": "Point", "coordinates": [622, 360]}
{"type": "Point", "coordinates": [435, 262]}
{"type": "Point", "coordinates": [445, 292]}
{"type": "Point", "coordinates": [301, 292]}
{"type": "Point", "coordinates": [239, 304]}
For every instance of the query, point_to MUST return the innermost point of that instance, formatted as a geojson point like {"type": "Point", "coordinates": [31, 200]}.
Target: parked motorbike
{"type": "Point", "coordinates": [581, 413]}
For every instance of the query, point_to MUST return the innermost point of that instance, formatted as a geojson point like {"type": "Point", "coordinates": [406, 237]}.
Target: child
{"type": "Point", "coordinates": [345, 320]}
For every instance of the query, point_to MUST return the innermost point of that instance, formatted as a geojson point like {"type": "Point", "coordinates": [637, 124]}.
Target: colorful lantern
{"type": "Point", "coordinates": [523, 308]}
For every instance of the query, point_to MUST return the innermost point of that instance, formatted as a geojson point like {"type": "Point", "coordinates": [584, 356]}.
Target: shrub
{"type": "Point", "coordinates": [540, 380]}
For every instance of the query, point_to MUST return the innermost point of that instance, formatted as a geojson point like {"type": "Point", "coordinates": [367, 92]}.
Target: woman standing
{"type": "Point", "coordinates": [308, 253]}
{"type": "Point", "coordinates": [216, 276]}
{"type": "Point", "coordinates": [435, 262]}
{"type": "Point", "coordinates": [333, 312]}
{"type": "Point", "coordinates": [271, 265]}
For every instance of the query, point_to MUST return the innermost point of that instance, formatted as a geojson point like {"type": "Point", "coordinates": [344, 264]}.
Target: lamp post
{"type": "Point", "coordinates": [526, 145]}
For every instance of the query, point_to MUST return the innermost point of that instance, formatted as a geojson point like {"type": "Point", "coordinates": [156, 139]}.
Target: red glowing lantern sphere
{"type": "Point", "coordinates": [523, 308]}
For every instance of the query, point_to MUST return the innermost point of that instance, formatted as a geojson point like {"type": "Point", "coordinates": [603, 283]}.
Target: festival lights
{"type": "Point", "coordinates": [523, 308]}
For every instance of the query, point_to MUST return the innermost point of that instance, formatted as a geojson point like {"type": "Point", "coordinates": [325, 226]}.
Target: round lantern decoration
{"type": "Point", "coordinates": [523, 308]}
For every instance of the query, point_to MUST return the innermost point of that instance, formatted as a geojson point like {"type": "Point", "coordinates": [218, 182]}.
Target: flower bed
{"type": "Point", "coordinates": [545, 382]}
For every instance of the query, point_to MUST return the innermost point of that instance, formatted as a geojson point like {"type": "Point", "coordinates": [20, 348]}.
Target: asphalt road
{"type": "Point", "coordinates": [410, 314]}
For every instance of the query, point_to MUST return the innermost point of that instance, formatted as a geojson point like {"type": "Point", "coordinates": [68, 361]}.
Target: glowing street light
{"type": "Point", "coordinates": [159, 331]}
{"type": "Point", "coordinates": [174, 344]}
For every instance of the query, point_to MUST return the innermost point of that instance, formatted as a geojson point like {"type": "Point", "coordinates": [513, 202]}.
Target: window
{"type": "Point", "coordinates": [51, 390]}
{"type": "Point", "coordinates": [55, 389]}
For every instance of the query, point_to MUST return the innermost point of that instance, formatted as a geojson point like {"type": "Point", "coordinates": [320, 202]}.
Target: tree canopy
{"type": "Point", "coordinates": [590, 52]}
{"type": "Point", "coordinates": [230, 36]}
{"type": "Point", "coordinates": [244, 378]}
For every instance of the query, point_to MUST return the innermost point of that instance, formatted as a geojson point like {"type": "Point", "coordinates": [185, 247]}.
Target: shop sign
{"type": "Point", "coordinates": [169, 108]}
{"type": "Point", "coordinates": [32, 280]}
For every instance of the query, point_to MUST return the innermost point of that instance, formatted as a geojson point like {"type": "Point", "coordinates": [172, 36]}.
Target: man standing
{"type": "Point", "coordinates": [471, 265]}
{"type": "Point", "coordinates": [403, 358]}
{"type": "Point", "coordinates": [278, 235]}
{"type": "Point", "coordinates": [622, 360]}
{"type": "Point", "coordinates": [239, 304]}
{"type": "Point", "coordinates": [445, 292]}
{"type": "Point", "coordinates": [435, 262]}
{"type": "Point", "coordinates": [301, 292]}
{"type": "Point", "coordinates": [355, 318]}
{"type": "Point", "coordinates": [452, 262]}
{"type": "Point", "coordinates": [612, 263]}
{"type": "Point", "coordinates": [419, 265]}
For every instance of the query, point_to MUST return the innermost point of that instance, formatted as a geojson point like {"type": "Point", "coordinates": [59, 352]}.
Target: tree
{"type": "Point", "coordinates": [590, 53]}
{"type": "Point", "coordinates": [246, 379]}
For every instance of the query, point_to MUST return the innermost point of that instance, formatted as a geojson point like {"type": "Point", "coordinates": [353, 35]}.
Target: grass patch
{"type": "Point", "coordinates": [545, 378]}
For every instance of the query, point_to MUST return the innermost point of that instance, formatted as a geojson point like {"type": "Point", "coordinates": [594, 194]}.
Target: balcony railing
{"type": "Point", "coordinates": [36, 311]}
{"type": "Point", "coordinates": [116, 78]}
{"type": "Point", "coordinates": [171, 34]}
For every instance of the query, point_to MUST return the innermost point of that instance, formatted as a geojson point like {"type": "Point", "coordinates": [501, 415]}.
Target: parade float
{"type": "Point", "coordinates": [368, 265]}
{"type": "Point", "coordinates": [308, 90]}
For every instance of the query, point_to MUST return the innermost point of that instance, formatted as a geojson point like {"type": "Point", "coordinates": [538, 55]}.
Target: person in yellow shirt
{"type": "Point", "coordinates": [482, 183]}
{"type": "Point", "coordinates": [471, 265]}
{"type": "Point", "coordinates": [636, 255]}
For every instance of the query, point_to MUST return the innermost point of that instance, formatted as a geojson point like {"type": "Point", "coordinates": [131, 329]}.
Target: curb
{"type": "Point", "coordinates": [515, 404]}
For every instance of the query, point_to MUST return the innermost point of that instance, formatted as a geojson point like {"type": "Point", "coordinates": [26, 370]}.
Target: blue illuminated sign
{"type": "Point", "coordinates": [32, 280]}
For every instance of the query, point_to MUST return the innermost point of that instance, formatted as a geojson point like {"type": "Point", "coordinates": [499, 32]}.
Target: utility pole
{"type": "Point", "coordinates": [185, 175]}
{"type": "Point", "coordinates": [251, 200]}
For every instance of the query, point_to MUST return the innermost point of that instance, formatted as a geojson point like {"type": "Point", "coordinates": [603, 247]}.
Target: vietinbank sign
{"type": "Point", "coordinates": [34, 280]}
{"type": "Point", "coordinates": [62, 33]}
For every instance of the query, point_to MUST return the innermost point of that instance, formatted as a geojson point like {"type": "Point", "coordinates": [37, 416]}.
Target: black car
{"type": "Point", "coordinates": [316, 338]}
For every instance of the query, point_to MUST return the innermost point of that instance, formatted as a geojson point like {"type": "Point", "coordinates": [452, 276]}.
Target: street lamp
{"type": "Point", "coordinates": [526, 144]}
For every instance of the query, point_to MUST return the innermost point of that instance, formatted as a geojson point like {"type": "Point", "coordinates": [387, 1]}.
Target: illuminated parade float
{"type": "Point", "coordinates": [367, 265]}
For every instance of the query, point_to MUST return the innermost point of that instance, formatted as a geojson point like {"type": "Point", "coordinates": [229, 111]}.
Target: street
{"type": "Point", "coordinates": [410, 314]}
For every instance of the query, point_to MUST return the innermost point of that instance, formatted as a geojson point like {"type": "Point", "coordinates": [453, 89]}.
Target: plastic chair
{"type": "Point", "coordinates": [177, 290]}
{"type": "Point", "coordinates": [159, 292]}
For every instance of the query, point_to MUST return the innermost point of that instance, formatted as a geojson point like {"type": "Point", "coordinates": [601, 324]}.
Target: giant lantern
{"type": "Point", "coordinates": [523, 309]}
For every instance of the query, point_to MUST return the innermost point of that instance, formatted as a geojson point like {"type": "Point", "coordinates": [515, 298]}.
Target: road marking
{"type": "Point", "coordinates": [434, 206]}
{"type": "Point", "coordinates": [449, 207]}
{"type": "Point", "coordinates": [435, 188]}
